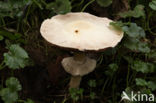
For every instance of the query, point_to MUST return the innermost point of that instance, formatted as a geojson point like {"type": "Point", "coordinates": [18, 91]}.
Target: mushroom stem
{"type": "Point", "coordinates": [75, 82]}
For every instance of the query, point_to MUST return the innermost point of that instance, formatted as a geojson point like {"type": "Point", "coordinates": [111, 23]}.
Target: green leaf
{"type": "Point", "coordinates": [139, 11]}
{"type": "Point", "coordinates": [16, 58]}
{"type": "Point", "coordinates": [13, 84]}
{"type": "Point", "coordinates": [18, 3]}
{"type": "Point", "coordinates": [60, 6]}
{"type": "Point", "coordinates": [134, 31]}
{"type": "Point", "coordinates": [5, 9]}
{"type": "Point", "coordinates": [104, 3]}
{"type": "Point", "coordinates": [92, 83]}
{"type": "Point", "coordinates": [13, 8]}
{"type": "Point", "coordinates": [136, 45]}
{"type": "Point", "coordinates": [80, 91]}
{"type": "Point", "coordinates": [152, 55]}
{"type": "Point", "coordinates": [75, 93]}
{"type": "Point", "coordinates": [29, 101]}
{"type": "Point", "coordinates": [18, 35]}
{"type": "Point", "coordinates": [112, 69]}
{"type": "Point", "coordinates": [133, 39]}
{"type": "Point", "coordinates": [92, 95]}
{"type": "Point", "coordinates": [8, 96]}
{"type": "Point", "coordinates": [140, 82]}
{"type": "Point", "coordinates": [143, 47]}
{"type": "Point", "coordinates": [136, 13]}
{"type": "Point", "coordinates": [8, 35]}
{"type": "Point", "coordinates": [1, 38]}
{"type": "Point", "coordinates": [152, 4]}
{"type": "Point", "coordinates": [17, 51]}
{"type": "Point", "coordinates": [117, 25]}
{"type": "Point", "coordinates": [152, 85]}
{"type": "Point", "coordinates": [128, 59]}
{"type": "Point", "coordinates": [143, 67]}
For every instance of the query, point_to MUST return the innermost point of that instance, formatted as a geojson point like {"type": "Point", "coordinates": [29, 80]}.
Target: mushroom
{"type": "Point", "coordinates": [78, 66]}
{"type": "Point", "coordinates": [82, 32]}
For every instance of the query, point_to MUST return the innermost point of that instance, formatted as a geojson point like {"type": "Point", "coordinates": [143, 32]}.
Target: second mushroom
{"type": "Point", "coordinates": [81, 32]}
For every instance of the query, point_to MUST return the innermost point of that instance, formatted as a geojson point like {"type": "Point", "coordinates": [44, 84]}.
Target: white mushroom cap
{"type": "Point", "coordinates": [81, 31]}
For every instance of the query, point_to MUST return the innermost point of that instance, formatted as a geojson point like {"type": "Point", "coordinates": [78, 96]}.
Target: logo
{"type": "Point", "coordinates": [137, 96]}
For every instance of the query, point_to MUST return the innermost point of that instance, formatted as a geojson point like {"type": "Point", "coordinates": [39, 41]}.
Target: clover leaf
{"type": "Point", "coordinates": [13, 84]}
{"type": "Point", "coordinates": [16, 58]}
